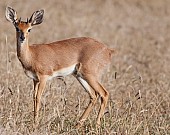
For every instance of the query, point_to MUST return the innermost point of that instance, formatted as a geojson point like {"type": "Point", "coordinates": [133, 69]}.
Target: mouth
{"type": "Point", "coordinates": [21, 40]}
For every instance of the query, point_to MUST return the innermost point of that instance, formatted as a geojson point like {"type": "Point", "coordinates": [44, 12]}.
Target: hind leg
{"type": "Point", "coordinates": [89, 82]}
{"type": "Point", "coordinates": [98, 88]}
{"type": "Point", "coordinates": [93, 98]}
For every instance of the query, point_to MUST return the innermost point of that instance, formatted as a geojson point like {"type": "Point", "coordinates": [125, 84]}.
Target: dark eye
{"type": "Point", "coordinates": [17, 29]}
{"type": "Point", "coordinates": [29, 30]}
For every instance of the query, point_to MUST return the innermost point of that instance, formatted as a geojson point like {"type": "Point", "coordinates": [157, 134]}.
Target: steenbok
{"type": "Point", "coordinates": [83, 57]}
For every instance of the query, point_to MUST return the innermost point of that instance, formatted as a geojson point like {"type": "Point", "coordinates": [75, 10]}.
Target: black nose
{"type": "Point", "coordinates": [22, 38]}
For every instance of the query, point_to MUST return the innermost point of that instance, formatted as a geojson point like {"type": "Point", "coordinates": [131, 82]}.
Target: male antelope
{"type": "Point", "coordinates": [83, 57]}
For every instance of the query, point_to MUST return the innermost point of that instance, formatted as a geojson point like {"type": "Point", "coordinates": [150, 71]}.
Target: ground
{"type": "Point", "coordinates": [138, 78]}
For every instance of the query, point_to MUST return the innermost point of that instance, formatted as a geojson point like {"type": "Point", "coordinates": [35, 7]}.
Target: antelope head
{"type": "Point", "coordinates": [23, 27]}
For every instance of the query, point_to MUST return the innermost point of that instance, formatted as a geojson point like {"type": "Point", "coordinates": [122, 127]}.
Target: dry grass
{"type": "Point", "coordinates": [140, 32]}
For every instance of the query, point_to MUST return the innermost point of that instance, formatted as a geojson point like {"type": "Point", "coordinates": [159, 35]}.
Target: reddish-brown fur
{"type": "Point", "coordinates": [47, 58]}
{"type": "Point", "coordinates": [83, 57]}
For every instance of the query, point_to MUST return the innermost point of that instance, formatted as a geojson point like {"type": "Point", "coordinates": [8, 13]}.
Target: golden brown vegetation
{"type": "Point", "coordinates": [140, 32]}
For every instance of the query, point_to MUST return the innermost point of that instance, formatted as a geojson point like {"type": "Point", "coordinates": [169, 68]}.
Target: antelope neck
{"type": "Point", "coordinates": [22, 47]}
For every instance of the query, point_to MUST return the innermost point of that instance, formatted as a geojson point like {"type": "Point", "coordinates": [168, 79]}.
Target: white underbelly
{"type": "Point", "coordinates": [63, 71]}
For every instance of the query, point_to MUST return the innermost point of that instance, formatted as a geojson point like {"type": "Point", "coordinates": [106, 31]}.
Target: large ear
{"type": "Point", "coordinates": [37, 17]}
{"type": "Point", "coordinates": [11, 15]}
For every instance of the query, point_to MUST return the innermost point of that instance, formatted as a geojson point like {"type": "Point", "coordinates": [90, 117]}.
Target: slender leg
{"type": "Point", "coordinates": [36, 83]}
{"type": "Point", "coordinates": [104, 100]}
{"type": "Point", "coordinates": [41, 86]}
{"type": "Point", "coordinates": [102, 92]}
{"type": "Point", "coordinates": [93, 98]}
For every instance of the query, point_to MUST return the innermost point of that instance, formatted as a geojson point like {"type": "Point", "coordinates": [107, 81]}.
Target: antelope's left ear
{"type": "Point", "coordinates": [11, 15]}
{"type": "Point", "coordinates": [37, 17]}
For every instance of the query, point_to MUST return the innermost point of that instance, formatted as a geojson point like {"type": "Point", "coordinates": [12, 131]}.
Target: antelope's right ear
{"type": "Point", "coordinates": [11, 15]}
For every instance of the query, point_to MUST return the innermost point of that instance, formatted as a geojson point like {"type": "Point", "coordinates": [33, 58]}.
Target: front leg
{"type": "Point", "coordinates": [39, 88]}
{"type": "Point", "coordinates": [36, 83]}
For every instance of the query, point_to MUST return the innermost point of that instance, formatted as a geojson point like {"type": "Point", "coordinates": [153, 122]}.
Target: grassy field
{"type": "Point", "coordinates": [139, 30]}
